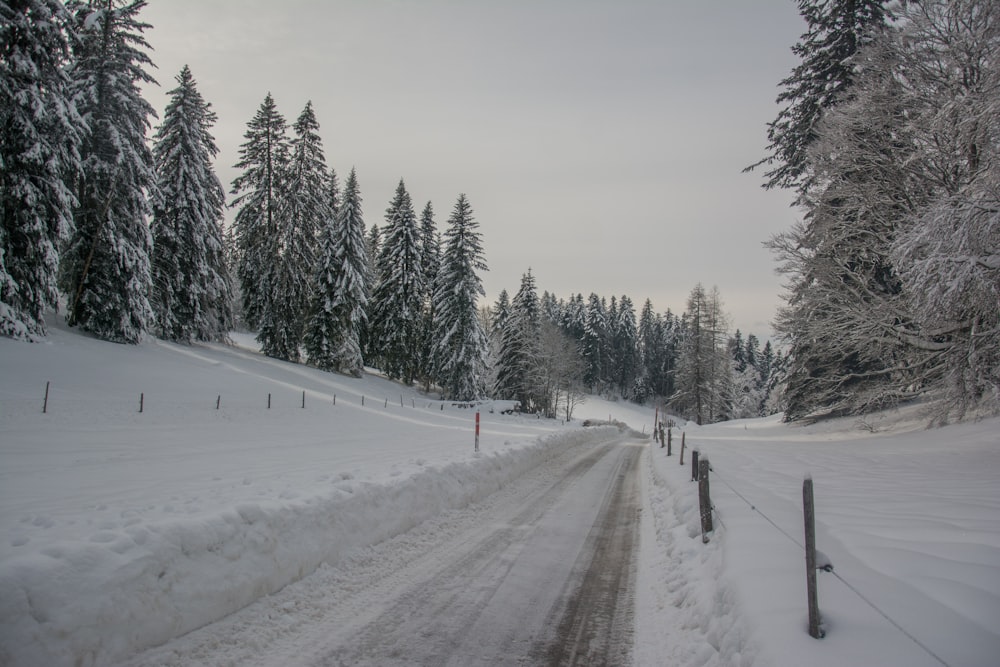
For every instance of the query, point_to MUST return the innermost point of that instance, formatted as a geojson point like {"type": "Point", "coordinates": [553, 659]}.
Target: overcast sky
{"type": "Point", "coordinates": [600, 143]}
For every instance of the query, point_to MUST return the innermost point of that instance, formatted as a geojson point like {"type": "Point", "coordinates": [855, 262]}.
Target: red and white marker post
{"type": "Point", "coordinates": [477, 432]}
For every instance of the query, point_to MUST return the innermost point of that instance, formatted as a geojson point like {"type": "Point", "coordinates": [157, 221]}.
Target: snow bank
{"type": "Point", "coordinates": [687, 611]}
{"type": "Point", "coordinates": [93, 603]}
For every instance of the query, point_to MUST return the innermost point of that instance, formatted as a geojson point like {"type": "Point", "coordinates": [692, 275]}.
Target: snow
{"type": "Point", "coordinates": [908, 517]}
{"type": "Point", "coordinates": [123, 530]}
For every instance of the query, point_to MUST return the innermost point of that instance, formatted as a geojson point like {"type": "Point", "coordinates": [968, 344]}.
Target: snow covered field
{"type": "Point", "coordinates": [122, 530]}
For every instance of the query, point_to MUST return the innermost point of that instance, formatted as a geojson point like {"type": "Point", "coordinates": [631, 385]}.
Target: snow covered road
{"type": "Point", "coordinates": [541, 572]}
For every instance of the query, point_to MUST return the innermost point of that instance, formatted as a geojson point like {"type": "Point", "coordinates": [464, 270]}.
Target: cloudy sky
{"type": "Point", "coordinates": [600, 142]}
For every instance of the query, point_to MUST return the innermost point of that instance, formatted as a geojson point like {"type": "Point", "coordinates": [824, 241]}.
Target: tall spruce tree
{"type": "Point", "coordinates": [397, 307]}
{"type": "Point", "coordinates": [626, 346]}
{"type": "Point", "coordinates": [258, 191]}
{"type": "Point", "coordinates": [430, 262]}
{"type": "Point", "coordinates": [837, 29]}
{"type": "Point", "coordinates": [340, 298]}
{"type": "Point", "coordinates": [304, 209]}
{"type": "Point", "coordinates": [191, 296]}
{"type": "Point", "coordinates": [460, 343]}
{"type": "Point", "coordinates": [40, 134]}
{"type": "Point", "coordinates": [105, 267]}
{"type": "Point", "coordinates": [595, 334]}
{"type": "Point", "coordinates": [518, 358]}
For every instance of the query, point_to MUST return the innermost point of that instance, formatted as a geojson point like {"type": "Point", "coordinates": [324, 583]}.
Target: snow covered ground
{"type": "Point", "coordinates": [122, 530]}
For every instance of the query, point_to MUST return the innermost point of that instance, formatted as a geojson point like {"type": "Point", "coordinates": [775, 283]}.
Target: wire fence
{"type": "Point", "coordinates": [51, 399]}
{"type": "Point", "coordinates": [828, 568]}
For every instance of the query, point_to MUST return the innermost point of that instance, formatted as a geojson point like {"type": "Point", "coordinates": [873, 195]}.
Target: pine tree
{"type": "Point", "coordinates": [40, 134]}
{"type": "Point", "coordinates": [551, 307]}
{"type": "Point", "coordinates": [373, 245]}
{"type": "Point", "coordinates": [338, 309]}
{"type": "Point", "coordinates": [191, 286]}
{"type": "Point", "coordinates": [626, 348]}
{"type": "Point", "coordinates": [257, 190]}
{"type": "Point", "coordinates": [398, 299]}
{"type": "Point", "coordinates": [460, 344]}
{"type": "Point", "coordinates": [105, 267]}
{"type": "Point", "coordinates": [519, 354]}
{"type": "Point", "coordinates": [430, 261]}
{"type": "Point", "coordinates": [823, 79]}
{"type": "Point", "coordinates": [304, 207]}
{"type": "Point", "coordinates": [737, 350]}
{"type": "Point", "coordinates": [574, 318]}
{"type": "Point", "coordinates": [334, 197]}
{"type": "Point", "coordinates": [595, 333]}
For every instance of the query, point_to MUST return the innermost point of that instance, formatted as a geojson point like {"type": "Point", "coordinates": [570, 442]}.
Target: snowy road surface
{"type": "Point", "coordinates": [540, 573]}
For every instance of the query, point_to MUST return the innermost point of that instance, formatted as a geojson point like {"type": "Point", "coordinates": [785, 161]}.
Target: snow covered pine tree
{"type": "Point", "coordinates": [104, 268]}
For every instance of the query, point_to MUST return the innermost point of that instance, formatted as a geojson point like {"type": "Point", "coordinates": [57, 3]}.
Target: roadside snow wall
{"type": "Point", "coordinates": [80, 604]}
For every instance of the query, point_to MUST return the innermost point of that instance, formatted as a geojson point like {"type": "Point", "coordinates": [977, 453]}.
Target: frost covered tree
{"type": "Point", "coordinates": [397, 305]}
{"type": "Point", "coordinates": [948, 56]}
{"type": "Point", "coordinates": [191, 295]}
{"type": "Point", "coordinates": [559, 371]}
{"type": "Point", "coordinates": [900, 215]}
{"type": "Point", "coordinates": [257, 193]}
{"type": "Point", "coordinates": [340, 298]}
{"type": "Point", "coordinates": [105, 269]}
{"type": "Point", "coordinates": [823, 79]}
{"type": "Point", "coordinates": [843, 302]}
{"type": "Point", "coordinates": [459, 341]}
{"type": "Point", "coordinates": [40, 135]}
{"type": "Point", "coordinates": [840, 279]}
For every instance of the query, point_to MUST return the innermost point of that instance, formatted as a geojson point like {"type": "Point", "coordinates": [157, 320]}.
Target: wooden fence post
{"type": "Point", "coordinates": [809, 513]}
{"type": "Point", "coordinates": [45, 403]}
{"type": "Point", "coordinates": [670, 440]}
{"type": "Point", "coordinates": [218, 401]}
{"type": "Point", "coordinates": [682, 449]}
{"type": "Point", "coordinates": [303, 399]}
{"type": "Point", "coordinates": [142, 399]}
{"type": "Point", "coordinates": [694, 465]}
{"type": "Point", "coordinates": [268, 400]}
{"type": "Point", "coordinates": [704, 499]}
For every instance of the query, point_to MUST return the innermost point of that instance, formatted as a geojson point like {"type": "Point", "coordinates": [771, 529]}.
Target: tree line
{"type": "Point", "coordinates": [547, 353]}
{"type": "Point", "coordinates": [889, 137]}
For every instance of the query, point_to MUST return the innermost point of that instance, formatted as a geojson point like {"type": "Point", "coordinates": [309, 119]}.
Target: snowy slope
{"type": "Point", "coordinates": [122, 530]}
